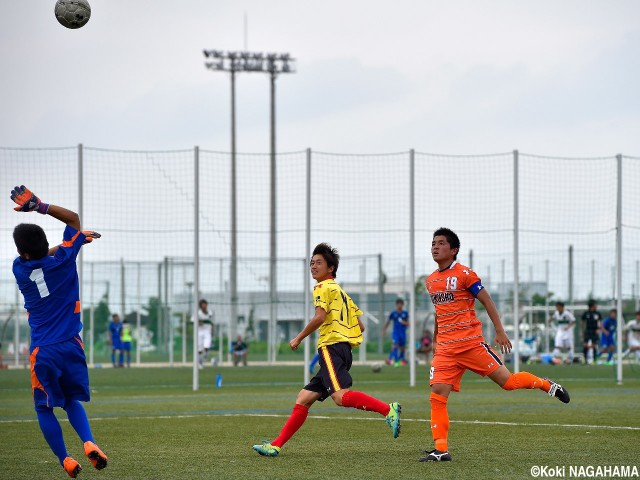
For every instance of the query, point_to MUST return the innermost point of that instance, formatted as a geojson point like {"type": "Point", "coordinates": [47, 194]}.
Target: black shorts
{"type": "Point", "coordinates": [335, 362]}
{"type": "Point", "coordinates": [593, 336]}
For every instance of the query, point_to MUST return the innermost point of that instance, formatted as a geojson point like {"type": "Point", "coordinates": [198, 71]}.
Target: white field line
{"type": "Point", "coordinates": [342, 418]}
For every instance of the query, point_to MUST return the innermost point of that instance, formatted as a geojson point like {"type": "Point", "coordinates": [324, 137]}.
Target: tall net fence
{"type": "Point", "coordinates": [567, 239]}
{"type": "Point", "coordinates": [365, 216]}
{"type": "Point", "coordinates": [631, 229]}
{"type": "Point", "coordinates": [143, 266]}
{"type": "Point", "coordinates": [473, 196]}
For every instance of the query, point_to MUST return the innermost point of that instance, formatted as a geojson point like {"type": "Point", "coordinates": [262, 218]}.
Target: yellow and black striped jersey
{"type": "Point", "coordinates": [341, 323]}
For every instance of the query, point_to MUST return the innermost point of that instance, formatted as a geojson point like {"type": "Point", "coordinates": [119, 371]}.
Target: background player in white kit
{"type": "Point", "coordinates": [565, 321]}
{"type": "Point", "coordinates": [633, 336]}
{"type": "Point", "coordinates": [205, 330]}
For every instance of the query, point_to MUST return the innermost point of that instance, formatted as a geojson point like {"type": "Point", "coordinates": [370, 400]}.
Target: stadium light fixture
{"type": "Point", "coordinates": [273, 64]}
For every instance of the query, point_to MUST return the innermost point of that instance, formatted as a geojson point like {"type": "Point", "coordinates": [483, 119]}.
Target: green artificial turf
{"type": "Point", "coordinates": [152, 425]}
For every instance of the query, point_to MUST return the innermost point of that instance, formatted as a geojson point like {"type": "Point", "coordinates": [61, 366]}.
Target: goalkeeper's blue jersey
{"type": "Point", "coordinates": [51, 291]}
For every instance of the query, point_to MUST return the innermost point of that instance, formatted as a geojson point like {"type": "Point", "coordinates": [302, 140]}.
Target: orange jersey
{"type": "Point", "coordinates": [453, 293]}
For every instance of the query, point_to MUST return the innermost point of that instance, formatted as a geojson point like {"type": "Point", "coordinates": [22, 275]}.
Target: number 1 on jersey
{"type": "Point", "coordinates": [38, 276]}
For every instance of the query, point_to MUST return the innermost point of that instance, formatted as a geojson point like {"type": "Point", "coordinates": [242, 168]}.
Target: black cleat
{"type": "Point", "coordinates": [558, 391]}
{"type": "Point", "coordinates": [436, 456]}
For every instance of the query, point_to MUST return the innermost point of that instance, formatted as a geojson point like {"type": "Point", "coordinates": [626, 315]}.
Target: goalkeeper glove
{"type": "Point", "coordinates": [27, 201]}
{"type": "Point", "coordinates": [90, 235]}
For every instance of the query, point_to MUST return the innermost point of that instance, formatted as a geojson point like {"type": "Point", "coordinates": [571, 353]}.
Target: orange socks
{"type": "Point", "coordinates": [439, 421]}
{"type": "Point", "coordinates": [526, 380]}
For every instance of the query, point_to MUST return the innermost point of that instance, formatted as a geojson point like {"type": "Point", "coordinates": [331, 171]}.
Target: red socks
{"type": "Point", "coordinates": [526, 380]}
{"type": "Point", "coordinates": [362, 401]}
{"type": "Point", "coordinates": [439, 421]}
{"type": "Point", "coordinates": [297, 418]}
{"type": "Point", "coordinates": [349, 399]}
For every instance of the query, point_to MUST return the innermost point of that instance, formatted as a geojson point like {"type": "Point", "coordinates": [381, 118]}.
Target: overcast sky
{"type": "Point", "coordinates": [476, 76]}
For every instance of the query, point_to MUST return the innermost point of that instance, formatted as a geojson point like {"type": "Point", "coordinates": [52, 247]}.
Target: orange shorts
{"type": "Point", "coordinates": [449, 367]}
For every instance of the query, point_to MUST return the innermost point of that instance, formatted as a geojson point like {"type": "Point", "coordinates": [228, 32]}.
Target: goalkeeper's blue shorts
{"type": "Point", "coordinates": [59, 373]}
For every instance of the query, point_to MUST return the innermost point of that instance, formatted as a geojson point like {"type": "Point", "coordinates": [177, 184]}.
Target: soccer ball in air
{"type": "Point", "coordinates": [376, 367]}
{"type": "Point", "coordinates": [73, 13]}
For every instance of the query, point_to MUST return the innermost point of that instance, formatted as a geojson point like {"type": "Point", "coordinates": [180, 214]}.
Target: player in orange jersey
{"type": "Point", "coordinates": [458, 344]}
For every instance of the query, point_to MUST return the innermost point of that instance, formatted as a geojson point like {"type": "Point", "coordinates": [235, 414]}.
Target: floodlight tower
{"type": "Point", "coordinates": [273, 64]}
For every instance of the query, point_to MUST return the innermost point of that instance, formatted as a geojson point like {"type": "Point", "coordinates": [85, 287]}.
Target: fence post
{"type": "Point", "coordinates": [16, 328]}
{"type": "Point", "coordinates": [516, 267]}
{"type": "Point", "coordinates": [138, 318]}
{"type": "Point", "coordinates": [570, 277]}
{"type": "Point", "coordinates": [196, 262]}
{"type": "Point", "coordinates": [547, 313]}
{"type": "Point", "coordinates": [123, 290]}
{"type": "Point", "coordinates": [80, 211]}
{"type": "Point", "coordinates": [620, 327]}
{"type": "Point", "coordinates": [307, 281]}
{"type": "Point", "coordinates": [637, 294]}
{"type": "Point", "coordinates": [381, 304]}
{"type": "Point", "coordinates": [92, 334]}
{"type": "Point", "coordinates": [169, 299]}
{"type": "Point", "coordinates": [412, 271]}
{"type": "Point", "coordinates": [364, 304]}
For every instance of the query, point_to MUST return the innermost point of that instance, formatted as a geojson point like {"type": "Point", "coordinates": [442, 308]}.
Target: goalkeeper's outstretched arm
{"type": "Point", "coordinates": [66, 216]}
{"type": "Point", "coordinates": [28, 201]}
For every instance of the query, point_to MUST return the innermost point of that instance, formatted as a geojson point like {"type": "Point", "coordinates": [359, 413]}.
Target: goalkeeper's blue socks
{"type": "Point", "coordinates": [78, 420]}
{"type": "Point", "coordinates": [121, 359]}
{"type": "Point", "coordinates": [52, 431]}
{"type": "Point", "coordinates": [610, 357]}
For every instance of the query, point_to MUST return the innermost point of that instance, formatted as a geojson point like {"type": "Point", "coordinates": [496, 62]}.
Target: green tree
{"type": "Point", "coordinates": [538, 299]}
{"type": "Point", "coordinates": [152, 308]}
{"type": "Point", "coordinates": [101, 317]}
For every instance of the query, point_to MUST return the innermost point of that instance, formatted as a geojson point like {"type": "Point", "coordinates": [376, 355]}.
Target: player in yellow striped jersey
{"type": "Point", "coordinates": [338, 319]}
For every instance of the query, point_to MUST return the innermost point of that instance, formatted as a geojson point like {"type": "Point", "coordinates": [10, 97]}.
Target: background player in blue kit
{"type": "Point", "coordinates": [48, 280]}
{"type": "Point", "coordinates": [400, 319]}
{"type": "Point", "coordinates": [608, 335]}
{"type": "Point", "coordinates": [115, 338]}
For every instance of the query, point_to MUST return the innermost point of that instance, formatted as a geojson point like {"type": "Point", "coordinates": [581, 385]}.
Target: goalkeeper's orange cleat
{"type": "Point", "coordinates": [97, 457]}
{"type": "Point", "coordinates": [71, 466]}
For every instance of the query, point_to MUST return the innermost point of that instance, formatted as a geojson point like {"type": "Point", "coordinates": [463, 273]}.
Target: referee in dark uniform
{"type": "Point", "coordinates": [591, 328]}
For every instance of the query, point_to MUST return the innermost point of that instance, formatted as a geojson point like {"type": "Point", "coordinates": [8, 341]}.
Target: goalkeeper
{"type": "Point", "coordinates": [48, 280]}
